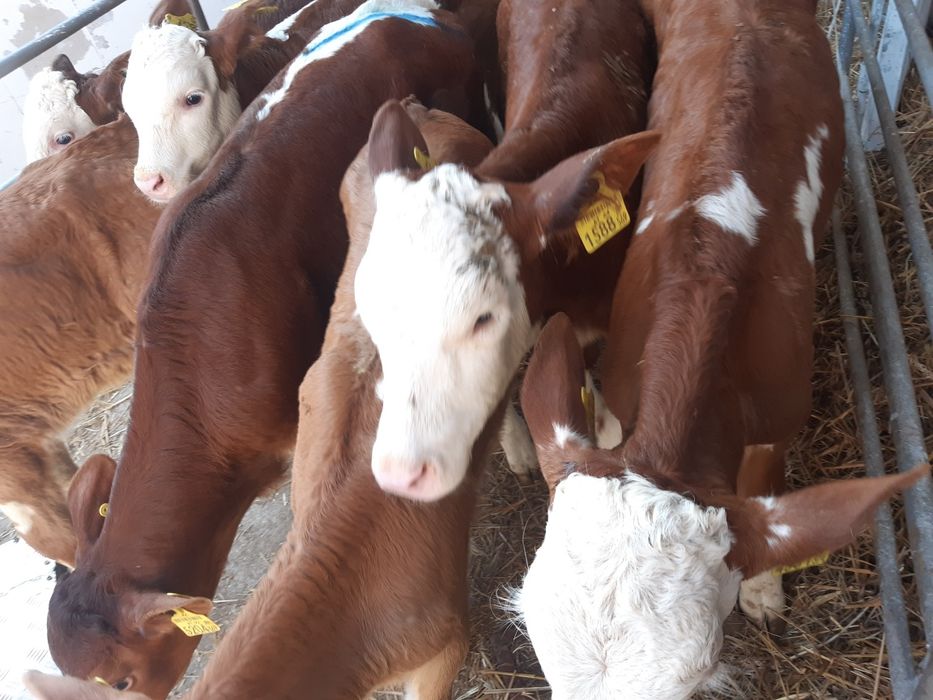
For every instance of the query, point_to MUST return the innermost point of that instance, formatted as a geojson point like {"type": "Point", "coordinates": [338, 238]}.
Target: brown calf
{"type": "Point", "coordinates": [708, 359]}
{"type": "Point", "coordinates": [368, 588]}
{"type": "Point", "coordinates": [72, 259]}
{"type": "Point", "coordinates": [242, 280]}
{"type": "Point", "coordinates": [501, 253]}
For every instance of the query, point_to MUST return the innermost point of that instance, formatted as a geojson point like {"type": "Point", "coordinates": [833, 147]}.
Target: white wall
{"type": "Point", "coordinates": [91, 48]}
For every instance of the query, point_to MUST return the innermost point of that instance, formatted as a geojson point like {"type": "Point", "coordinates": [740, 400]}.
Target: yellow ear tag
{"type": "Point", "coordinates": [188, 21]}
{"type": "Point", "coordinates": [103, 510]}
{"type": "Point", "coordinates": [194, 624]}
{"type": "Point", "coordinates": [818, 560]}
{"type": "Point", "coordinates": [425, 161]}
{"type": "Point", "coordinates": [589, 405]}
{"type": "Point", "coordinates": [100, 681]}
{"type": "Point", "coordinates": [604, 218]}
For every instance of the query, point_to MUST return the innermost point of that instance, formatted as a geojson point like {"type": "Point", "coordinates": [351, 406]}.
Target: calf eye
{"type": "Point", "coordinates": [193, 99]}
{"type": "Point", "coordinates": [64, 139]}
{"type": "Point", "coordinates": [122, 684]}
{"type": "Point", "coordinates": [482, 321]}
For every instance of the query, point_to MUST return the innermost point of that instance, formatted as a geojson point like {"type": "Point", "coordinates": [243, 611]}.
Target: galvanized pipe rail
{"type": "Point", "coordinates": [72, 25]}
{"type": "Point", "coordinates": [908, 682]}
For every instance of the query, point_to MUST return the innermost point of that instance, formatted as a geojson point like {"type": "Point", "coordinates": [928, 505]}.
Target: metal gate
{"type": "Point", "coordinates": [894, 35]}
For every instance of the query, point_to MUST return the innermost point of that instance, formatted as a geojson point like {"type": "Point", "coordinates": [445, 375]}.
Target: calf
{"type": "Point", "coordinates": [185, 90]}
{"type": "Point", "coordinates": [707, 367]}
{"type": "Point", "coordinates": [72, 256]}
{"type": "Point", "coordinates": [242, 280]}
{"type": "Point", "coordinates": [476, 260]}
{"type": "Point", "coordinates": [340, 612]}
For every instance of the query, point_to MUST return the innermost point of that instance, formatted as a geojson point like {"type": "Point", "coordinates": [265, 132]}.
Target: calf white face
{"type": "Point", "coordinates": [627, 594]}
{"type": "Point", "coordinates": [52, 119]}
{"type": "Point", "coordinates": [174, 97]}
{"type": "Point", "coordinates": [438, 291]}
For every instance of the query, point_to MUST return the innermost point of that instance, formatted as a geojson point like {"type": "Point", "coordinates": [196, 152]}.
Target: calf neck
{"type": "Point", "coordinates": [241, 283]}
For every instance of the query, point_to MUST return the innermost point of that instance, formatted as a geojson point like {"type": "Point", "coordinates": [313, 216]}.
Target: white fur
{"type": "Point", "coordinates": [810, 189]}
{"type": "Point", "coordinates": [280, 31]}
{"type": "Point", "coordinates": [627, 594]}
{"type": "Point", "coordinates": [437, 260]}
{"type": "Point", "coordinates": [517, 443]}
{"type": "Point", "coordinates": [608, 427]}
{"type": "Point", "coordinates": [674, 213]}
{"type": "Point", "coordinates": [420, 8]}
{"type": "Point", "coordinates": [735, 208]}
{"type": "Point", "coordinates": [50, 111]}
{"type": "Point", "coordinates": [564, 434]}
{"type": "Point", "coordinates": [21, 515]}
{"type": "Point", "coordinates": [778, 532]}
{"type": "Point", "coordinates": [176, 141]}
{"type": "Point", "coordinates": [762, 597]}
{"type": "Point", "coordinates": [644, 224]}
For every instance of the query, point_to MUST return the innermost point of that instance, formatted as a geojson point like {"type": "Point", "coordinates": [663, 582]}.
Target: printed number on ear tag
{"type": "Point", "coordinates": [187, 21]}
{"type": "Point", "coordinates": [194, 624]}
{"type": "Point", "coordinates": [818, 560]}
{"type": "Point", "coordinates": [424, 161]}
{"type": "Point", "coordinates": [604, 218]}
{"type": "Point", "coordinates": [589, 405]}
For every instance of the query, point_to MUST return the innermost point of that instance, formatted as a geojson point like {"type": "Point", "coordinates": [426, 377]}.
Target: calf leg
{"type": "Point", "coordinates": [517, 444]}
{"type": "Point", "coordinates": [34, 482]}
{"type": "Point", "coordinates": [433, 680]}
{"type": "Point", "coordinates": [762, 474]}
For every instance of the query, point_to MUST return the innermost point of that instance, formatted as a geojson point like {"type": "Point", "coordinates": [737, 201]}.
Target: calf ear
{"type": "Point", "coordinates": [168, 7]}
{"type": "Point", "coordinates": [63, 65]}
{"type": "Point", "coordinates": [47, 687]}
{"type": "Point", "coordinates": [150, 612]}
{"type": "Point", "coordinates": [89, 490]}
{"type": "Point", "coordinates": [230, 39]}
{"type": "Point", "coordinates": [553, 402]}
{"type": "Point", "coordinates": [550, 206]}
{"type": "Point", "coordinates": [791, 529]}
{"type": "Point", "coordinates": [393, 139]}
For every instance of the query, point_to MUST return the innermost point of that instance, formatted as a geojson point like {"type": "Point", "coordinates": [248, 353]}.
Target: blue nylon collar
{"type": "Point", "coordinates": [366, 19]}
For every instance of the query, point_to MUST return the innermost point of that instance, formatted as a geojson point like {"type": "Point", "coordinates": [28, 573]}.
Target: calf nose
{"type": "Point", "coordinates": [152, 185]}
{"type": "Point", "coordinates": [405, 477]}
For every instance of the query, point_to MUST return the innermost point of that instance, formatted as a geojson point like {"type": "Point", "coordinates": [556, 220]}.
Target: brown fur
{"type": "Point", "coordinates": [75, 238]}
{"type": "Point", "coordinates": [368, 588]}
{"type": "Point", "coordinates": [241, 283]}
{"type": "Point", "coordinates": [710, 350]}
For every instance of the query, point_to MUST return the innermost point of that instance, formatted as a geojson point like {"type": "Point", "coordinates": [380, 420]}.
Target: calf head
{"type": "Point", "coordinates": [441, 290]}
{"type": "Point", "coordinates": [179, 92]}
{"type": "Point", "coordinates": [129, 640]}
{"type": "Point", "coordinates": [627, 594]}
{"type": "Point", "coordinates": [52, 118]}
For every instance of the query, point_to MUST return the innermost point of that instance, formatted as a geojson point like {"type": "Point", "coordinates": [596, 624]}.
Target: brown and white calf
{"type": "Point", "coordinates": [707, 366]}
{"type": "Point", "coordinates": [72, 263]}
{"type": "Point", "coordinates": [368, 588]}
{"type": "Point", "coordinates": [464, 263]}
{"type": "Point", "coordinates": [241, 284]}
{"type": "Point", "coordinates": [63, 105]}
{"type": "Point", "coordinates": [185, 90]}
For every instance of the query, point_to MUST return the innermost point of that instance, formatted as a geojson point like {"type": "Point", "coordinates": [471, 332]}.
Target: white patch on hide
{"type": "Point", "coordinates": [734, 208]}
{"type": "Point", "coordinates": [810, 189]}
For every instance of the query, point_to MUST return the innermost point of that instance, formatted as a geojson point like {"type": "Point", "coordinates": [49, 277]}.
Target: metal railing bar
{"type": "Point", "coordinates": [18, 58]}
{"type": "Point", "coordinates": [904, 416]}
{"type": "Point", "coordinates": [906, 191]}
{"type": "Point", "coordinates": [924, 689]}
{"type": "Point", "coordinates": [896, 631]}
{"type": "Point", "coordinates": [919, 44]}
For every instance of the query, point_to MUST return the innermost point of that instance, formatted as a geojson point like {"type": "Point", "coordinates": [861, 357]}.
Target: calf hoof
{"type": "Point", "coordinates": [762, 599]}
